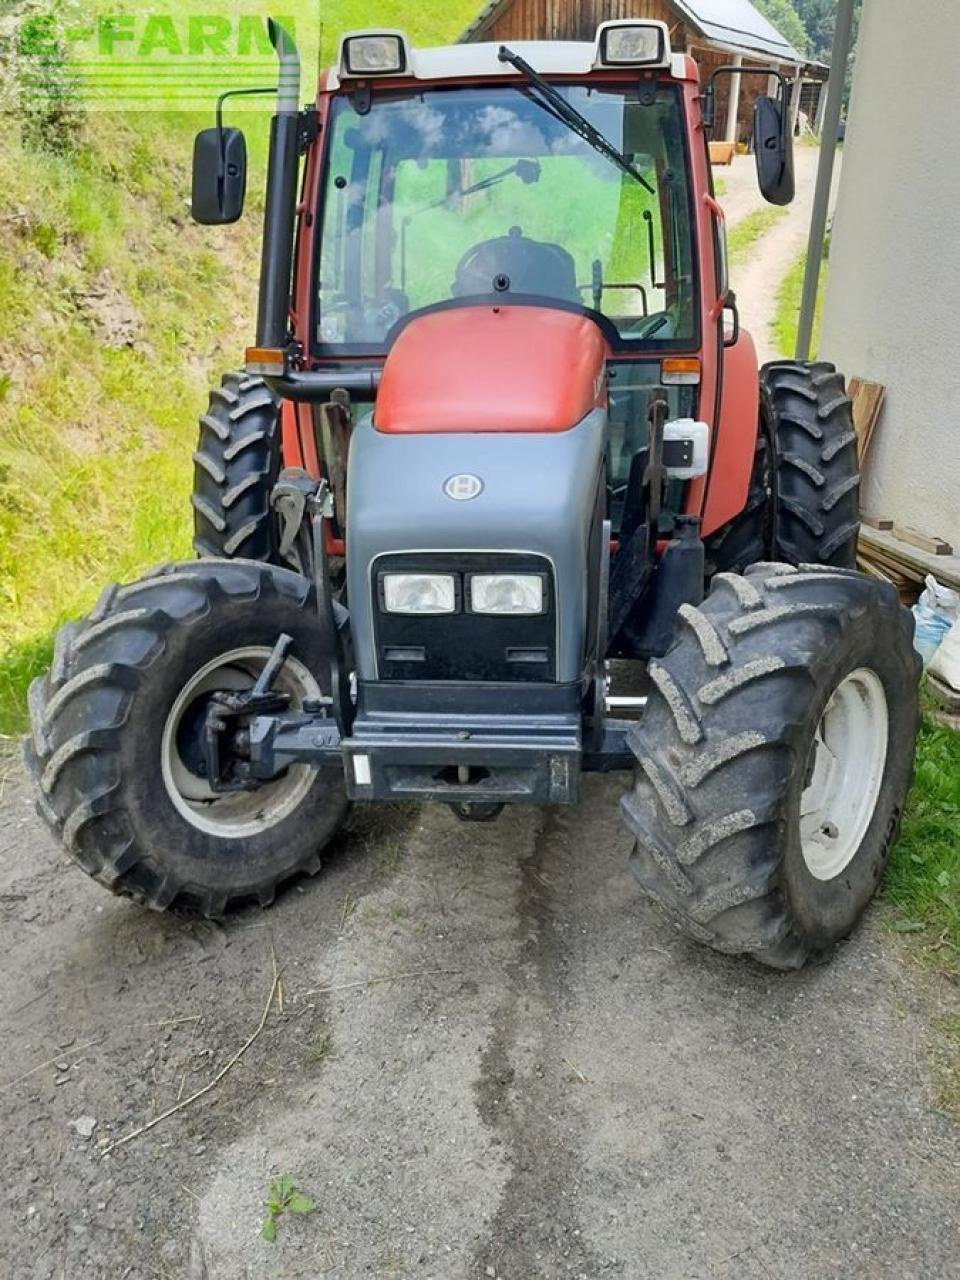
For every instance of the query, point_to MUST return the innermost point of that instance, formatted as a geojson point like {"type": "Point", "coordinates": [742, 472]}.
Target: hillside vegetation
{"type": "Point", "coordinates": [116, 312]}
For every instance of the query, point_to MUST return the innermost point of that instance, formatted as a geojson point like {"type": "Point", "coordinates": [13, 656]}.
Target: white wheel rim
{"type": "Point", "coordinates": [849, 758]}
{"type": "Point", "coordinates": [240, 814]}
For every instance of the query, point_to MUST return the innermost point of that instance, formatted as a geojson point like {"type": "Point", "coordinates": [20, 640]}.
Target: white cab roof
{"type": "Point", "coordinates": [471, 61]}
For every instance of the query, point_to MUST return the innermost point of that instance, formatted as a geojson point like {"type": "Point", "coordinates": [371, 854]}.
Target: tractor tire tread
{"type": "Point", "coordinates": [803, 501]}
{"type": "Point", "coordinates": [213, 468]}
{"type": "Point", "coordinates": [236, 465]}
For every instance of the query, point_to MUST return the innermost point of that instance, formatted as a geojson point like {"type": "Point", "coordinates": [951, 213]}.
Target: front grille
{"type": "Point", "coordinates": [463, 645]}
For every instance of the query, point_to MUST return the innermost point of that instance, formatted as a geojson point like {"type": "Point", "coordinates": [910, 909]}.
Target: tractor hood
{"type": "Point", "coordinates": [483, 368]}
{"type": "Point", "coordinates": [460, 496]}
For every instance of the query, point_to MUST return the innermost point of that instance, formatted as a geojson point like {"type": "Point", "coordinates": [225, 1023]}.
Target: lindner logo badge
{"type": "Point", "coordinates": [463, 488]}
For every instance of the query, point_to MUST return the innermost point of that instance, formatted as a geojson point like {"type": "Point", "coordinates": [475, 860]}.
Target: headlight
{"type": "Point", "coordinates": [517, 593]}
{"type": "Point", "coordinates": [419, 592]}
{"type": "Point", "coordinates": [374, 54]}
{"type": "Point", "coordinates": [625, 44]}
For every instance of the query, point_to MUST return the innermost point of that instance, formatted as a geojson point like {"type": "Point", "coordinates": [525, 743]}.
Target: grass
{"type": "Point", "coordinates": [283, 1197]}
{"type": "Point", "coordinates": [320, 1045]}
{"type": "Point", "coordinates": [97, 427]}
{"type": "Point", "coordinates": [95, 443]}
{"type": "Point", "coordinates": [744, 234]}
{"type": "Point", "coordinates": [789, 295]}
{"type": "Point", "coordinates": [922, 886]}
{"type": "Point", "coordinates": [946, 1067]}
{"type": "Point", "coordinates": [923, 880]}
{"type": "Point", "coordinates": [347, 907]}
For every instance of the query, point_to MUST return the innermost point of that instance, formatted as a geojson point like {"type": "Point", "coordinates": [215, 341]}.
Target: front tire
{"type": "Point", "coordinates": [774, 760]}
{"type": "Point", "coordinates": [117, 722]}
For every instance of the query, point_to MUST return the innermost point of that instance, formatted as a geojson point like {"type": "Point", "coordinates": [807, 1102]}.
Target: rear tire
{"type": "Point", "coordinates": [748, 837]}
{"type": "Point", "coordinates": [119, 786]}
{"type": "Point", "coordinates": [803, 504]}
{"type": "Point", "coordinates": [235, 469]}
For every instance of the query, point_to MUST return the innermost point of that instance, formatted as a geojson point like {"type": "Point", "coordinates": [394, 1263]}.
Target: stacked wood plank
{"type": "Point", "coordinates": [889, 569]}
{"type": "Point", "coordinates": [867, 400]}
{"type": "Point", "coordinates": [886, 554]}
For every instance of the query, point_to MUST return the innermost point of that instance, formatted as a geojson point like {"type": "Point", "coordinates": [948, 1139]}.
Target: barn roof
{"type": "Point", "coordinates": [734, 24]}
{"type": "Point", "coordinates": [739, 25]}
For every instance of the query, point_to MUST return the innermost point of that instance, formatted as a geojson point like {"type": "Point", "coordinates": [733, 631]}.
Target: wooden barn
{"type": "Point", "coordinates": [713, 32]}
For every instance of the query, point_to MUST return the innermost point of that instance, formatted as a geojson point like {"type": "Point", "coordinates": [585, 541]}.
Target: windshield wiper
{"type": "Point", "coordinates": [547, 97]}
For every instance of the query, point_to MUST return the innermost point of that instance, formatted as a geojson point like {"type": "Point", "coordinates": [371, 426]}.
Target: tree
{"type": "Point", "coordinates": [819, 18]}
{"type": "Point", "coordinates": [784, 17]}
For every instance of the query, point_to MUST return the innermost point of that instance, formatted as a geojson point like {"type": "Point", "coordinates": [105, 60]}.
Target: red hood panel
{"type": "Point", "coordinates": [484, 368]}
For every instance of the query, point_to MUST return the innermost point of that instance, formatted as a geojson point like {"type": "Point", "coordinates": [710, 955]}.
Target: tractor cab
{"type": "Point", "coordinates": [454, 190]}
{"type": "Point", "coordinates": [480, 192]}
{"type": "Point", "coordinates": [572, 176]}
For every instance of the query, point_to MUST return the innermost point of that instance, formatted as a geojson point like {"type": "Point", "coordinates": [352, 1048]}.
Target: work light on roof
{"type": "Point", "coordinates": [632, 44]}
{"type": "Point", "coordinates": [373, 53]}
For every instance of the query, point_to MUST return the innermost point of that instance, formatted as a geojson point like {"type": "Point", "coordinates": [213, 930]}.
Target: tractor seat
{"type": "Point", "coordinates": [515, 264]}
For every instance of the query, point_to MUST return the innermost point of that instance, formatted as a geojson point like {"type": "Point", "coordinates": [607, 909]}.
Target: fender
{"type": "Point", "coordinates": [735, 438]}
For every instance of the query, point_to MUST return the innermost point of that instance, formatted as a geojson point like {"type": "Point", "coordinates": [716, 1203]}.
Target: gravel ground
{"type": "Point", "coordinates": [553, 1083]}
{"type": "Point", "coordinates": [757, 280]}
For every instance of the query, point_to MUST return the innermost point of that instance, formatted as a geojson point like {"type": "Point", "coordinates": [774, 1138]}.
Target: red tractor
{"type": "Point", "coordinates": [501, 441]}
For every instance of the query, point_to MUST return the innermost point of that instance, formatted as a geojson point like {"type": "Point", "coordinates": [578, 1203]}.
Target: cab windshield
{"type": "Point", "coordinates": [481, 192]}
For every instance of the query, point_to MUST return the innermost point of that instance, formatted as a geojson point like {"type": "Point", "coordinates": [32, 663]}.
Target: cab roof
{"type": "Point", "coordinates": [476, 61]}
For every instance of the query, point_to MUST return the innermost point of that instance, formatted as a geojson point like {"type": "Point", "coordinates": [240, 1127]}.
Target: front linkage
{"type": "Point", "coordinates": [274, 738]}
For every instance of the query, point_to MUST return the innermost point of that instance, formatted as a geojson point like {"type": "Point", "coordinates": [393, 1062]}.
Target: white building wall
{"type": "Point", "coordinates": [892, 310]}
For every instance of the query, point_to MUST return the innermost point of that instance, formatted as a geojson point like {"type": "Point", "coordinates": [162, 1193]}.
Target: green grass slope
{"type": "Point", "coordinates": [116, 312]}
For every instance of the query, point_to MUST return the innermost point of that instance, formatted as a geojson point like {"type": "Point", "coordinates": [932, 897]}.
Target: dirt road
{"type": "Point", "coordinates": [552, 1085]}
{"type": "Point", "coordinates": [757, 280]}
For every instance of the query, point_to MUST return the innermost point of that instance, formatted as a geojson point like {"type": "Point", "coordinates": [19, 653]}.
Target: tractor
{"type": "Point", "coordinates": [501, 445]}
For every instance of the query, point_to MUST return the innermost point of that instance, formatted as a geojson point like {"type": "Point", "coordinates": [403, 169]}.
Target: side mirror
{"type": "Point", "coordinates": [219, 176]}
{"type": "Point", "coordinates": [709, 105]}
{"type": "Point", "coordinates": [773, 145]}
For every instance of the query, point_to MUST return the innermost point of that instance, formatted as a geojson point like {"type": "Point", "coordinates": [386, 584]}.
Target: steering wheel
{"type": "Point", "coordinates": [516, 264]}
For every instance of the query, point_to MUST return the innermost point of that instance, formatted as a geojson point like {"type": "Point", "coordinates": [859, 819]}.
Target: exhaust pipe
{"type": "Point", "coordinates": [281, 201]}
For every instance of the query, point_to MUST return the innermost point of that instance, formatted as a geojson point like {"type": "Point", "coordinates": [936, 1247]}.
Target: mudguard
{"type": "Point", "coordinates": [736, 435]}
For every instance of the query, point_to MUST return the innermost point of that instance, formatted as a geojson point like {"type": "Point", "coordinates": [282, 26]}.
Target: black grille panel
{"type": "Point", "coordinates": [464, 645]}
